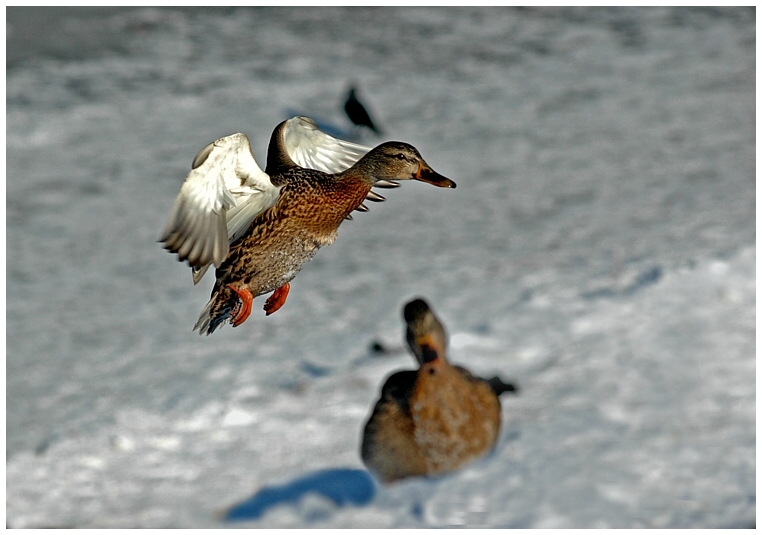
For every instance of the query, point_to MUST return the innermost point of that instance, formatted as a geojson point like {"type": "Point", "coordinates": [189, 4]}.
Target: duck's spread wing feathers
{"type": "Point", "coordinates": [309, 147]}
{"type": "Point", "coordinates": [222, 194]}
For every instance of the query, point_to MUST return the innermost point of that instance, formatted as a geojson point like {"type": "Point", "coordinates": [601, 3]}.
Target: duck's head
{"type": "Point", "coordinates": [425, 335]}
{"type": "Point", "coordinates": [395, 160]}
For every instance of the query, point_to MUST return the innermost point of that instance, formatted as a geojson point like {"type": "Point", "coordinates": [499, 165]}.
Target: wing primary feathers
{"type": "Point", "coordinates": [222, 246]}
{"type": "Point", "coordinates": [386, 184]}
{"type": "Point", "coordinates": [224, 175]}
{"type": "Point", "coordinates": [309, 147]}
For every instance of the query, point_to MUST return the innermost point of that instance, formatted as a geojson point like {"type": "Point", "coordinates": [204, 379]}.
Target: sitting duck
{"type": "Point", "coordinates": [258, 227]}
{"type": "Point", "coordinates": [435, 419]}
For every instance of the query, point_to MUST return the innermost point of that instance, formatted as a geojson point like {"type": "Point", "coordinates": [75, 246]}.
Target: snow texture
{"type": "Point", "coordinates": [599, 250]}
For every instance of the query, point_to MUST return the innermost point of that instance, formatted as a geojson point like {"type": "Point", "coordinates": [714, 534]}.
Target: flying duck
{"type": "Point", "coordinates": [258, 227]}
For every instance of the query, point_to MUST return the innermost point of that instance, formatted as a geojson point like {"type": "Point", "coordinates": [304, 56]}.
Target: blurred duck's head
{"type": "Point", "coordinates": [425, 334]}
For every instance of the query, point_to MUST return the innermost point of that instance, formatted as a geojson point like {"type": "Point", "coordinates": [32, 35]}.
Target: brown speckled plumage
{"type": "Point", "coordinates": [307, 215]}
{"type": "Point", "coordinates": [435, 419]}
{"type": "Point", "coordinates": [286, 236]}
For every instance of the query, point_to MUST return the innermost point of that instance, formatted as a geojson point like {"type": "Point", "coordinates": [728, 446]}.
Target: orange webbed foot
{"type": "Point", "coordinates": [243, 309]}
{"type": "Point", "coordinates": [277, 299]}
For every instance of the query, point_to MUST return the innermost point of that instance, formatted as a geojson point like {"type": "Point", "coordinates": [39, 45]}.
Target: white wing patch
{"type": "Point", "coordinates": [309, 147]}
{"type": "Point", "coordinates": [226, 179]}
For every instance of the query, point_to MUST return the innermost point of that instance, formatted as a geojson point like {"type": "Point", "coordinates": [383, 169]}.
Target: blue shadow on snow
{"type": "Point", "coordinates": [343, 486]}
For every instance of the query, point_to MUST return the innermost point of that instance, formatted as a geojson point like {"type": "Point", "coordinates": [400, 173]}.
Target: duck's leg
{"type": "Point", "coordinates": [242, 312]}
{"type": "Point", "coordinates": [277, 299]}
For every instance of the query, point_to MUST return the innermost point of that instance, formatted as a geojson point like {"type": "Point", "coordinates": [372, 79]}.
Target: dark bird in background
{"type": "Point", "coordinates": [357, 112]}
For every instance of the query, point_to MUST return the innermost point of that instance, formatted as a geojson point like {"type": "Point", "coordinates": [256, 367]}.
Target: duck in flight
{"type": "Point", "coordinates": [258, 227]}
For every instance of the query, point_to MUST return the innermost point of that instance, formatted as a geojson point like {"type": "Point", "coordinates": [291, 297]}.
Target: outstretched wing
{"type": "Point", "coordinates": [222, 194]}
{"type": "Point", "coordinates": [309, 147]}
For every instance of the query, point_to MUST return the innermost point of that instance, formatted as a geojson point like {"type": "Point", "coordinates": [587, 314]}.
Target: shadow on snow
{"type": "Point", "coordinates": [342, 486]}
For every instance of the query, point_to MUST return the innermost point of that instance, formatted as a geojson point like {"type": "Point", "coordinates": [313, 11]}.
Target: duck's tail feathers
{"type": "Point", "coordinates": [498, 386]}
{"type": "Point", "coordinates": [220, 309]}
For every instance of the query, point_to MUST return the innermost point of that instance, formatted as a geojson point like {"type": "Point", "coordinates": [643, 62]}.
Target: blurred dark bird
{"type": "Point", "coordinates": [435, 419]}
{"type": "Point", "coordinates": [260, 227]}
{"type": "Point", "coordinates": [357, 112]}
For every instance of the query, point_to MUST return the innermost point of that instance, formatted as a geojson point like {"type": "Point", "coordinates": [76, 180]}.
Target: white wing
{"type": "Point", "coordinates": [222, 194]}
{"type": "Point", "coordinates": [309, 147]}
{"type": "Point", "coordinates": [226, 190]}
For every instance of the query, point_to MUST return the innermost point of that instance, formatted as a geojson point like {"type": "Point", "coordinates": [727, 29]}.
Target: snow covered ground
{"type": "Point", "coordinates": [599, 250]}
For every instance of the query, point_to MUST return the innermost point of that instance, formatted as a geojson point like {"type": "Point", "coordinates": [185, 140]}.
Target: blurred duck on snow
{"type": "Point", "coordinates": [435, 419]}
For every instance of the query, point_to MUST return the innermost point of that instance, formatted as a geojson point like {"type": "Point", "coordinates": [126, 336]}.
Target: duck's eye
{"type": "Point", "coordinates": [400, 156]}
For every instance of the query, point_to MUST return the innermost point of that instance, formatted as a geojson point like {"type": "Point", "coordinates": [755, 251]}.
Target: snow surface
{"type": "Point", "coordinates": [599, 250]}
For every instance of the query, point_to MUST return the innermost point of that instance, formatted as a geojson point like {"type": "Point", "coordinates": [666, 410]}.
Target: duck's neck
{"type": "Point", "coordinates": [367, 170]}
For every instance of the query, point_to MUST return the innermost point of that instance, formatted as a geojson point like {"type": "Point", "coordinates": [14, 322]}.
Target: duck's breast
{"type": "Point", "coordinates": [456, 420]}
